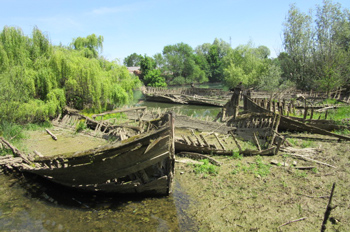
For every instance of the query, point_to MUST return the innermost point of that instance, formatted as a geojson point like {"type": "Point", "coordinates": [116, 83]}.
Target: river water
{"type": "Point", "coordinates": [29, 204]}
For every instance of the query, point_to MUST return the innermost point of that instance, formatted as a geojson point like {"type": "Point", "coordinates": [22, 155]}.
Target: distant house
{"type": "Point", "coordinates": [134, 70]}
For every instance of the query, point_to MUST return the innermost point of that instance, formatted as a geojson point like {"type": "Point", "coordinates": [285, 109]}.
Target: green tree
{"type": "Point", "coordinates": [246, 64]}
{"type": "Point", "coordinates": [89, 46]}
{"type": "Point", "coordinates": [132, 60]}
{"type": "Point", "coordinates": [38, 79]}
{"type": "Point", "coordinates": [181, 63]}
{"type": "Point", "coordinates": [146, 64]}
{"type": "Point", "coordinates": [317, 54]}
{"type": "Point", "coordinates": [298, 45]}
{"type": "Point", "coordinates": [330, 57]}
{"type": "Point", "coordinates": [153, 78]}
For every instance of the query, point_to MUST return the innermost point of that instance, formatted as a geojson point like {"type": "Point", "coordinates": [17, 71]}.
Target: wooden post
{"type": "Point", "coordinates": [234, 138]}
{"type": "Point", "coordinates": [257, 141]}
{"type": "Point", "coordinates": [217, 138]}
{"type": "Point", "coordinates": [205, 141]}
{"type": "Point", "coordinates": [328, 210]}
{"type": "Point", "coordinates": [312, 113]}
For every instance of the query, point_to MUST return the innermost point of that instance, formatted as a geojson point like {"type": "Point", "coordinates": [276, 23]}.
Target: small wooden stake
{"type": "Point", "coordinates": [328, 210]}
{"type": "Point", "coordinates": [52, 135]}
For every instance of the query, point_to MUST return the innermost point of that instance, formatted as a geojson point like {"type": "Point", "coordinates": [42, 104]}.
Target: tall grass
{"type": "Point", "coordinates": [15, 133]}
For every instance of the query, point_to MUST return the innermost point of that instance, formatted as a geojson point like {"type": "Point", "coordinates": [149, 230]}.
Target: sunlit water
{"type": "Point", "coordinates": [28, 204]}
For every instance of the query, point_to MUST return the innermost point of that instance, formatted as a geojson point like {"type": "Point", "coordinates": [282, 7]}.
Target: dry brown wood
{"type": "Point", "coordinates": [330, 207]}
{"type": "Point", "coordinates": [312, 196]}
{"type": "Point", "coordinates": [205, 141]}
{"type": "Point", "coordinates": [185, 139]}
{"type": "Point", "coordinates": [312, 160]}
{"type": "Point", "coordinates": [119, 111]}
{"type": "Point", "coordinates": [198, 156]}
{"type": "Point", "coordinates": [192, 143]}
{"type": "Point", "coordinates": [217, 138]}
{"type": "Point", "coordinates": [198, 140]}
{"type": "Point", "coordinates": [304, 167]}
{"type": "Point", "coordinates": [38, 153]}
{"type": "Point", "coordinates": [257, 141]}
{"type": "Point", "coordinates": [16, 151]}
{"type": "Point", "coordinates": [269, 151]}
{"type": "Point", "coordinates": [234, 138]}
{"type": "Point", "coordinates": [296, 220]}
{"type": "Point", "coordinates": [54, 137]}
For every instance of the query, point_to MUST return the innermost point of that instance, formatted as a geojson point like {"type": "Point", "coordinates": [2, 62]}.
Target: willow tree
{"type": "Point", "coordinates": [89, 46]}
{"type": "Point", "coordinates": [39, 79]}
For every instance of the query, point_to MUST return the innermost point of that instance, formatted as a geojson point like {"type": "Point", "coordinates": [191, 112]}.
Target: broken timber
{"type": "Point", "coordinates": [143, 164]}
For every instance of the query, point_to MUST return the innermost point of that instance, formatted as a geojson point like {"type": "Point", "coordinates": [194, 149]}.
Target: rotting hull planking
{"type": "Point", "coordinates": [143, 164]}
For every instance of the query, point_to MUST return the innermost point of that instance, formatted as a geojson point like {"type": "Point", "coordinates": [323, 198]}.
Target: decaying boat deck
{"type": "Point", "coordinates": [142, 164]}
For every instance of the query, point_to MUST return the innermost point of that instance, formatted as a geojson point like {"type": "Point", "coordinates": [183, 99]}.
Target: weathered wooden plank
{"type": "Point", "coordinates": [98, 172]}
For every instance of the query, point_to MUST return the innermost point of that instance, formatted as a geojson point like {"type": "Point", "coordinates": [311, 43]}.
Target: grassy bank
{"type": "Point", "coordinates": [250, 194]}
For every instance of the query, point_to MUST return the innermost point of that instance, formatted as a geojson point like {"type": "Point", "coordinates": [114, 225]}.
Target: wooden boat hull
{"type": "Point", "coordinates": [143, 164]}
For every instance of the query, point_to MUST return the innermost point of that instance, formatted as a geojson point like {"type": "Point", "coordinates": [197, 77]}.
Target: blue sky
{"type": "Point", "coordinates": [146, 26]}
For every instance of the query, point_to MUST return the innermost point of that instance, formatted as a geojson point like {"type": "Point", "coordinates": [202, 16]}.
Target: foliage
{"type": "Point", "coordinates": [237, 155]}
{"type": "Point", "coordinates": [250, 67]}
{"type": "Point", "coordinates": [217, 51]}
{"type": "Point", "coordinates": [11, 131]}
{"type": "Point", "coordinates": [154, 78]}
{"type": "Point", "coordinates": [150, 75]}
{"type": "Point", "coordinates": [317, 47]}
{"type": "Point", "coordinates": [259, 169]}
{"type": "Point", "coordinates": [88, 46]}
{"type": "Point", "coordinates": [133, 60]}
{"type": "Point", "coordinates": [38, 79]}
{"type": "Point", "coordinates": [180, 61]}
{"type": "Point", "coordinates": [206, 168]}
{"type": "Point", "coordinates": [146, 64]}
{"type": "Point", "coordinates": [81, 125]}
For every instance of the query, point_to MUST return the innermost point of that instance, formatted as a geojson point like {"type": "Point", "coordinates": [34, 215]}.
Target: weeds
{"type": "Point", "coordinates": [258, 168]}
{"type": "Point", "coordinates": [237, 155]}
{"type": "Point", "coordinates": [11, 132]}
{"type": "Point", "coordinates": [301, 174]}
{"type": "Point", "coordinates": [206, 168]}
{"type": "Point", "coordinates": [80, 126]}
{"type": "Point", "coordinates": [306, 143]}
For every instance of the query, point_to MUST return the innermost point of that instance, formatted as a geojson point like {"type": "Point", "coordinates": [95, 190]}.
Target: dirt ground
{"type": "Point", "coordinates": [67, 141]}
{"type": "Point", "coordinates": [250, 194]}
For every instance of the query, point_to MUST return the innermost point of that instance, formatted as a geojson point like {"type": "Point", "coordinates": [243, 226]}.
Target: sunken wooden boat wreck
{"type": "Point", "coordinates": [191, 96]}
{"type": "Point", "coordinates": [266, 110]}
{"type": "Point", "coordinates": [142, 164]}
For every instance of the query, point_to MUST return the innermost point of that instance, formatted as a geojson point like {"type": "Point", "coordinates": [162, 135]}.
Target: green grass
{"type": "Point", "coordinates": [15, 133]}
{"type": "Point", "coordinates": [80, 126]}
{"type": "Point", "coordinates": [237, 155]}
{"type": "Point", "coordinates": [206, 168]}
{"type": "Point", "coordinates": [259, 168]}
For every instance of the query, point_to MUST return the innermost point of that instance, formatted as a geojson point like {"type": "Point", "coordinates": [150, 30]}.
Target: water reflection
{"type": "Point", "coordinates": [38, 205]}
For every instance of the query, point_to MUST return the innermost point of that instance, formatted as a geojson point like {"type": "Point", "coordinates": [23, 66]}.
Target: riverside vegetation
{"type": "Point", "coordinates": [39, 79]}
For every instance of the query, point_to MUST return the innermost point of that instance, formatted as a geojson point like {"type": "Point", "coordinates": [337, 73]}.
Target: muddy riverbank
{"type": "Point", "coordinates": [246, 193]}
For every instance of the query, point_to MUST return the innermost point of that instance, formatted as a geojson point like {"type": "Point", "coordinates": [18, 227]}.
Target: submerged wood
{"type": "Point", "coordinates": [288, 123]}
{"type": "Point", "coordinates": [142, 164]}
{"type": "Point", "coordinates": [191, 96]}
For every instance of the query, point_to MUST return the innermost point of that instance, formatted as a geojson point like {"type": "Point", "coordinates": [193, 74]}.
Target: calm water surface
{"type": "Point", "coordinates": [36, 205]}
